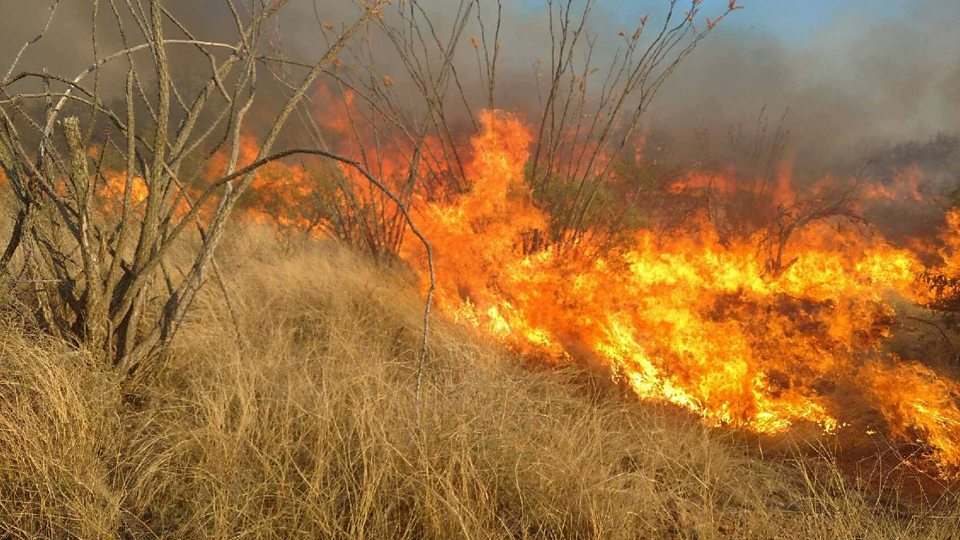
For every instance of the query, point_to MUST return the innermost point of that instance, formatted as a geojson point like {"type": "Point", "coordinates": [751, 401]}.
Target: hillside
{"type": "Point", "coordinates": [294, 418]}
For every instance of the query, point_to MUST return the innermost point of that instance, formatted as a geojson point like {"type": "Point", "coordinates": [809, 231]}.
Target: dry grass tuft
{"type": "Point", "coordinates": [305, 428]}
{"type": "Point", "coordinates": [59, 428]}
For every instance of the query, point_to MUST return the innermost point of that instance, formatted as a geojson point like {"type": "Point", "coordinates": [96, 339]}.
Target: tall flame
{"type": "Point", "coordinates": [689, 320]}
{"type": "Point", "coordinates": [693, 319]}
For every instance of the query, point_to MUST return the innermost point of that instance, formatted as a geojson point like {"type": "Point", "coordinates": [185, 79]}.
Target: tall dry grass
{"type": "Point", "coordinates": [302, 426]}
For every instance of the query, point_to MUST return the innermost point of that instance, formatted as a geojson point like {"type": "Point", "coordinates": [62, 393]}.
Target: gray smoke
{"type": "Point", "coordinates": [851, 91]}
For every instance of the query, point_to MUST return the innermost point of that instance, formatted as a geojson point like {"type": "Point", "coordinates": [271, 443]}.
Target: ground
{"type": "Point", "coordinates": [293, 415]}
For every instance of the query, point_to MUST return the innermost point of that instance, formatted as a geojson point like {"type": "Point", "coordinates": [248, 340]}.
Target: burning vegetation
{"type": "Point", "coordinates": [737, 290]}
{"type": "Point", "coordinates": [788, 324]}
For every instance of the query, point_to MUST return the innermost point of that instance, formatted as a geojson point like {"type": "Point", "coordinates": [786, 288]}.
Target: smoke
{"type": "Point", "coordinates": [845, 94]}
{"type": "Point", "coordinates": [64, 49]}
{"type": "Point", "coordinates": [850, 91]}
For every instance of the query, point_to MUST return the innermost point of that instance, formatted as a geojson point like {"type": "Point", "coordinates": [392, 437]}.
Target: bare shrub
{"type": "Point", "coordinates": [591, 109]}
{"type": "Point", "coordinates": [100, 277]}
{"type": "Point", "coordinates": [587, 117]}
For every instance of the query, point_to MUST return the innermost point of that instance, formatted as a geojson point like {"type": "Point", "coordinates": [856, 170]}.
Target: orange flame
{"type": "Point", "coordinates": [690, 320]}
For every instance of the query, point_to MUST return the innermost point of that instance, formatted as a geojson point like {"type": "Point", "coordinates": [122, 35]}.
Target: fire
{"type": "Point", "coordinates": [281, 192]}
{"type": "Point", "coordinates": [111, 194]}
{"type": "Point", "coordinates": [114, 187]}
{"type": "Point", "coordinates": [699, 320]}
{"type": "Point", "coordinates": [691, 320]}
{"type": "Point", "coordinates": [907, 185]}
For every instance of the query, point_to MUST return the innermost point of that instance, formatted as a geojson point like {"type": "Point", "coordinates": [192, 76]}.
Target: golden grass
{"type": "Point", "coordinates": [304, 428]}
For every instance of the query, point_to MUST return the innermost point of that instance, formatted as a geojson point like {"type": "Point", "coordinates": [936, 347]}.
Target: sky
{"type": "Point", "coordinates": [846, 69]}
{"type": "Point", "coordinates": [795, 22]}
{"type": "Point", "coordinates": [844, 73]}
{"type": "Point", "coordinates": [849, 72]}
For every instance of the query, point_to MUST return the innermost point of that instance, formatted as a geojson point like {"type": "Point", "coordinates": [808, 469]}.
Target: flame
{"type": "Point", "coordinates": [114, 187]}
{"type": "Point", "coordinates": [111, 193]}
{"type": "Point", "coordinates": [907, 184]}
{"type": "Point", "coordinates": [691, 320]}
{"type": "Point", "coordinates": [780, 193]}
{"type": "Point", "coordinates": [699, 320]}
{"type": "Point", "coordinates": [280, 192]}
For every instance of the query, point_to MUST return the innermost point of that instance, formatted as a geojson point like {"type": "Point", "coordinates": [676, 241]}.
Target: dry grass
{"type": "Point", "coordinates": [304, 428]}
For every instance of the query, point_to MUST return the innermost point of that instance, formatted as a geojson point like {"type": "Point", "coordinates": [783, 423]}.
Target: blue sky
{"type": "Point", "coordinates": [794, 21]}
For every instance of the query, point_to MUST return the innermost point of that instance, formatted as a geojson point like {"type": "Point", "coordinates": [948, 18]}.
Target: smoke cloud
{"type": "Point", "coordinates": [849, 92]}
{"type": "Point", "coordinates": [845, 95]}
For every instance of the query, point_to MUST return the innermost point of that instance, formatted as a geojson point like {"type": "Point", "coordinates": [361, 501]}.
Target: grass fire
{"type": "Point", "coordinates": [479, 269]}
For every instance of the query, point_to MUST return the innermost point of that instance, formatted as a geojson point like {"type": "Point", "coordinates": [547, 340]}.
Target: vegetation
{"type": "Point", "coordinates": [290, 399]}
{"type": "Point", "coordinates": [304, 428]}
